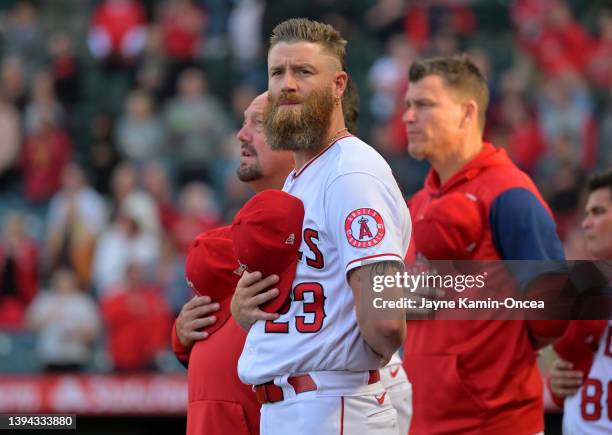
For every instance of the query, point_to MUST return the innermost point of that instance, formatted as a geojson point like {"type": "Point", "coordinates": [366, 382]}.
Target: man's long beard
{"type": "Point", "coordinates": [304, 127]}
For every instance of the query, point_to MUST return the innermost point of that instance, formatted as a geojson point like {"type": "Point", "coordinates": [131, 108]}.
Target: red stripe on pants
{"type": "Point", "coordinates": [342, 415]}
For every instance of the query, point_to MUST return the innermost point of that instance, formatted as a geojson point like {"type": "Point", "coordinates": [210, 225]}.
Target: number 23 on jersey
{"type": "Point", "coordinates": [311, 291]}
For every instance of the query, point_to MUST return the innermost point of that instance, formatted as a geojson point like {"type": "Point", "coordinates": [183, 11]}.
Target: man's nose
{"type": "Point", "coordinates": [408, 116]}
{"type": "Point", "coordinates": [587, 223]}
{"type": "Point", "coordinates": [243, 135]}
{"type": "Point", "coordinates": [289, 82]}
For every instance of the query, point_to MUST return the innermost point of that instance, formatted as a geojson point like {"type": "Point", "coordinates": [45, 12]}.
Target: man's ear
{"type": "Point", "coordinates": [470, 114]}
{"type": "Point", "coordinates": [340, 84]}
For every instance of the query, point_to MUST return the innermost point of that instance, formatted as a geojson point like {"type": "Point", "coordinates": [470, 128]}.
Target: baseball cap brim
{"type": "Point", "coordinates": [267, 234]}
{"type": "Point", "coordinates": [452, 227]}
{"type": "Point", "coordinates": [284, 286]}
{"type": "Point", "coordinates": [210, 267]}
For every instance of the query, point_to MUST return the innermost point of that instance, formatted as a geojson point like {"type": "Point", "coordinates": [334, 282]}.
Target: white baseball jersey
{"type": "Point", "coordinates": [589, 411]}
{"type": "Point", "coordinates": [354, 214]}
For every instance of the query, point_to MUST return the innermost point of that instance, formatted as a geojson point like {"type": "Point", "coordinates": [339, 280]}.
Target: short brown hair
{"type": "Point", "coordinates": [459, 73]}
{"type": "Point", "coordinates": [350, 105]}
{"type": "Point", "coordinates": [600, 181]}
{"type": "Point", "coordinates": [305, 30]}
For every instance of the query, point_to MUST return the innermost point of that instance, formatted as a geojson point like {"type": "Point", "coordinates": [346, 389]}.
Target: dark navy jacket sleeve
{"type": "Point", "coordinates": [522, 228]}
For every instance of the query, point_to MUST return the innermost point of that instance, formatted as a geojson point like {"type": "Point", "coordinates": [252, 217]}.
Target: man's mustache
{"type": "Point", "coordinates": [249, 149]}
{"type": "Point", "coordinates": [287, 98]}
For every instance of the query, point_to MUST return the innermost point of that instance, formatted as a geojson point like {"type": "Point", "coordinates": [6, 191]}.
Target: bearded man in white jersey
{"type": "Point", "coordinates": [315, 364]}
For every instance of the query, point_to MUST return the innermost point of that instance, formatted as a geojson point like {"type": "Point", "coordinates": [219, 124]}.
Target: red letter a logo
{"type": "Point", "coordinates": [364, 230]}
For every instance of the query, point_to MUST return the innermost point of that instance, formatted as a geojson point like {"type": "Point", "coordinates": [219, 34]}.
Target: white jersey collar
{"type": "Point", "coordinates": [295, 174]}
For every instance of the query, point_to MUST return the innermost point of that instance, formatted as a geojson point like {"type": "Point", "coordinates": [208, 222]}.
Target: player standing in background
{"type": "Point", "coordinates": [472, 377]}
{"type": "Point", "coordinates": [581, 379]}
{"type": "Point", "coordinates": [315, 367]}
{"type": "Point", "coordinates": [218, 402]}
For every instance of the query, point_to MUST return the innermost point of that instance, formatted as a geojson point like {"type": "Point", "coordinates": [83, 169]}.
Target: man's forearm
{"type": "Point", "coordinates": [384, 336]}
{"type": "Point", "coordinates": [383, 330]}
{"type": "Point", "coordinates": [181, 351]}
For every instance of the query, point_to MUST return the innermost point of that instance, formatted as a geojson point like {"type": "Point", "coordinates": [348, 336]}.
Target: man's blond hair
{"type": "Point", "coordinates": [305, 30]}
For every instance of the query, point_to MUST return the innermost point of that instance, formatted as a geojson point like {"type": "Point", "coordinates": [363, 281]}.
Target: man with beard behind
{"type": "Point", "coordinates": [205, 338]}
{"type": "Point", "coordinates": [315, 365]}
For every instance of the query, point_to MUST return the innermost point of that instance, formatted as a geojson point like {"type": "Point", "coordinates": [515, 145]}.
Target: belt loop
{"type": "Point", "coordinates": [283, 383]}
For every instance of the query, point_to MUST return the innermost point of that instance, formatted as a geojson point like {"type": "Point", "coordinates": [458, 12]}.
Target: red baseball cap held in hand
{"type": "Point", "coordinates": [267, 234]}
{"type": "Point", "coordinates": [452, 227]}
{"type": "Point", "coordinates": [212, 270]}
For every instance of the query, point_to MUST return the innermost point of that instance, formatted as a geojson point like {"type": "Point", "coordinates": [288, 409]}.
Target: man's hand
{"type": "Point", "coordinates": [248, 297]}
{"type": "Point", "coordinates": [564, 381]}
{"type": "Point", "coordinates": [194, 316]}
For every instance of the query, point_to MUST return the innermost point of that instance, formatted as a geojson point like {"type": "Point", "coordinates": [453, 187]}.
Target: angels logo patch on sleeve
{"type": "Point", "coordinates": [364, 227]}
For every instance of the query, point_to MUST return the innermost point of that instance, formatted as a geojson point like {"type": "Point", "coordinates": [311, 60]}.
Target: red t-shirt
{"type": "Point", "coordinates": [118, 19]}
{"type": "Point", "coordinates": [137, 322]}
{"type": "Point", "coordinates": [44, 156]}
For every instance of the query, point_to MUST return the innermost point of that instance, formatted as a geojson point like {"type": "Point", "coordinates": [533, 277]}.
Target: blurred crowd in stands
{"type": "Point", "coordinates": [118, 121]}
